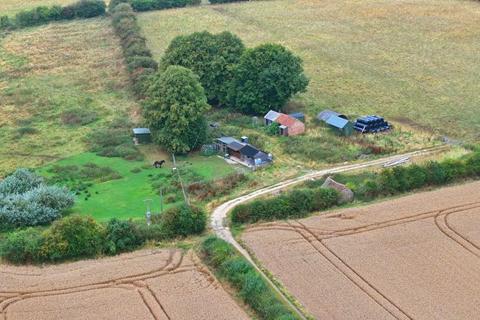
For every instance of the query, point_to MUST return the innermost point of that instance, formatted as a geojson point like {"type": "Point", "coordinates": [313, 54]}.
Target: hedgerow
{"type": "Point", "coordinates": [78, 236]}
{"type": "Point", "coordinates": [251, 287]}
{"type": "Point", "coordinates": [82, 9]}
{"type": "Point", "coordinates": [293, 204]}
{"type": "Point", "coordinates": [404, 179]}
{"type": "Point", "coordinates": [140, 63]}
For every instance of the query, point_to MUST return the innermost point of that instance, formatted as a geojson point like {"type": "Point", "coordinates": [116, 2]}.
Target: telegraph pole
{"type": "Point", "coordinates": [180, 179]}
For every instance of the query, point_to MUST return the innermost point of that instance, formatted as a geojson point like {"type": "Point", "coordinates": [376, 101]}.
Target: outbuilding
{"type": "Point", "coordinates": [340, 125]}
{"type": "Point", "coordinates": [326, 114]}
{"type": "Point", "coordinates": [288, 125]}
{"type": "Point", "coordinates": [142, 135]}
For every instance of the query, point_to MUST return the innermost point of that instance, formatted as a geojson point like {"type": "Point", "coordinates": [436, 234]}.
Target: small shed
{"type": "Point", "coordinates": [326, 114]}
{"type": "Point", "coordinates": [142, 135]}
{"type": "Point", "coordinates": [271, 117]}
{"type": "Point", "coordinates": [341, 125]}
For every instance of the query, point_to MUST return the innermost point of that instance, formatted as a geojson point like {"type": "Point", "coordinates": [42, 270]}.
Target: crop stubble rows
{"type": "Point", "coordinates": [421, 265]}
{"type": "Point", "coordinates": [160, 284]}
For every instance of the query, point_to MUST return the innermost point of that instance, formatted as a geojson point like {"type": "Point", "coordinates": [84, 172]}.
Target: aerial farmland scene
{"type": "Point", "coordinates": [235, 159]}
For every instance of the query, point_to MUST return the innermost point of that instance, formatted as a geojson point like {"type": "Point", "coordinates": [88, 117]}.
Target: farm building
{"type": "Point", "coordinates": [142, 135]}
{"type": "Point", "coordinates": [326, 114]}
{"type": "Point", "coordinates": [243, 152]}
{"type": "Point", "coordinates": [289, 126]}
{"type": "Point", "coordinates": [340, 125]}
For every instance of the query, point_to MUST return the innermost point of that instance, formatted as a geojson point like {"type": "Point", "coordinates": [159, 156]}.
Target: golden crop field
{"type": "Point", "coordinates": [416, 63]}
{"type": "Point", "coordinates": [10, 7]}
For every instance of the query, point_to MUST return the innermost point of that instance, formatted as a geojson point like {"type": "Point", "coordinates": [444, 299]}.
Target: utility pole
{"type": "Point", "coordinates": [180, 179]}
{"type": "Point", "coordinates": [161, 199]}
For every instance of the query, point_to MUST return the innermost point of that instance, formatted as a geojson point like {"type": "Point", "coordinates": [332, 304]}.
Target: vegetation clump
{"type": "Point", "coordinates": [294, 204]}
{"type": "Point", "coordinates": [228, 264]}
{"type": "Point", "coordinates": [82, 9]}
{"type": "Point", "coordinates": [211, 56]}
{"type": "Point", "coordinates": [175, 109]}
{"type": "Point", "coordinates": [265, 79]}
{"type": "Point", "coordinates": [26, 200]}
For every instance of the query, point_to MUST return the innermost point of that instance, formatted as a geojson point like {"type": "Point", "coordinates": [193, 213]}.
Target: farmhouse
{"type": "Point", "coordinates": [289, 126]}
{"type": "Point", "coordinates": [243, 152]}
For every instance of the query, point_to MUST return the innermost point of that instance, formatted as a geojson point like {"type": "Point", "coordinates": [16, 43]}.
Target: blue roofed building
{"type": "Point", "coordinates": [340, 125]}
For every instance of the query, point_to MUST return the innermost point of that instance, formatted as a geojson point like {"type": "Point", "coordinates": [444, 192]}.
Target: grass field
{"type": "Point", "coordinates": [49, 75]}
{"type": "Point", "coordinates": [123, 195]}
{"type": "Point", "coordinates": [414, 62]}
{"type": "Point", "coordinates": [10, 7]}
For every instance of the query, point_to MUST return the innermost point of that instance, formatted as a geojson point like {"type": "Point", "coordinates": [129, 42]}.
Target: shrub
{"type": "Point", "coordinates": [225, 1]}
{"type": "Point", "coordinates": [78, 117]}
{"type": "Point", "coordinates": [22, 180]}
{"type": "Point", "coordinates": [184, 220]}
{"type": "Point", "coordinates": [122, 236]}
{"type": "Point", "coordinates": [141, 62]}
{"type": "Point", "coordinates": [6, 23]}
{"type": "Point", "coordinates": [22, 246]}
{"type": "Point", "coordinates": [114, 3]}
{"type": "Point", "coordinates": [88, 8]}
{"type": "Point", "coordinates": [72, 237]}
{"type": "Point", "coordinates": [241, 275]}
{"type": "Point", "coordinates": [297, 203]}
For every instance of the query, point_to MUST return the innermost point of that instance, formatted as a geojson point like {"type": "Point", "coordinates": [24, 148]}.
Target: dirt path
{"type": "Point", "coordinates": [219, 215]}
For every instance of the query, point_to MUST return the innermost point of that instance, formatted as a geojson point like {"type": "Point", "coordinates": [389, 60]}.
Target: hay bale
{"type": "Point", "coordinates": [346, 195]}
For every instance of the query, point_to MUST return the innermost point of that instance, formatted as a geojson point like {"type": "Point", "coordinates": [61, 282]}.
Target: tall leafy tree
{"type": "Point", "coordinates": [175, 109]}
{"type": "Point", "coordinates": [211, 56]}
{"type": "Point", "coordinates": [266, 78]}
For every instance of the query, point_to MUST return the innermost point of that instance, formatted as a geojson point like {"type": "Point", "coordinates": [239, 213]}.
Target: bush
{"type": "Point", "coordinates": [225, 1]}
{"type": "Point", "coordinates": [42, 15]}
{"type": "Point", "coordinates": [88, 8]}
{"type": "Point", "coordinates": [22, 246]}
{"type": "Point", "coordinates": [241, 275]}
{"type": "Point", "coordinates": [141, 62]}
{"type": "Point", "coordinates": [122, 236]}
{"type": "Point", "coordinates": [297, 203]}
{"type": "Point", "coordinates": [183, 221]}
{"type": "Point", "coordinates": [78, 117]}
{"type": "Point", "coordinates": [21, 181]}
{"type": "Point", "coordinates": [114, 3]}
{"type": "Point", "coordinates": [73, 237]}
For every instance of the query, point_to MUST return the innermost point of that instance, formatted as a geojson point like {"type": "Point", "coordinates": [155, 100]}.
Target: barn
{"type": "Point", "coordinates": [289, 126]}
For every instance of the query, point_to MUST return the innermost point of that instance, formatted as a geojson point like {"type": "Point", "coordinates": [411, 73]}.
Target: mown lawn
{"type": "Point", "coordinates": [10, 7]}
{"type": "Point", "coordinates": [49, 74]}
{"type": "Point", "coordinates": [124, 197]}
{"type": "Point", "coordinates": [417, 63]}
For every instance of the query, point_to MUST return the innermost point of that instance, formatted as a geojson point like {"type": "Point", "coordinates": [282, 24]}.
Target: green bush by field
{"type": "Point", "coordinates": [75, 236]}
{"type": "Point", "coordinates": [228, 264]}
{"type": "Point", "coordinates": [294, 204]}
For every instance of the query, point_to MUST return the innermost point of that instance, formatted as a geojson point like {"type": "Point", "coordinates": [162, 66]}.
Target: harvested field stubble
{"type": "Point", "coordinates": [416, 257]}
{"type": "Point", "coordinates": [148, 284]}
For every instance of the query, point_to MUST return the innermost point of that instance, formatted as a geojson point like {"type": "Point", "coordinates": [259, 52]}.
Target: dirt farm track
{"type": "Point", "coordinates": [147, 284]}
{"type": "Point", "coordinates": [416, 257]}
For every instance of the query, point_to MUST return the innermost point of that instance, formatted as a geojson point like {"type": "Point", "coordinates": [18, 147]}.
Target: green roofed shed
{"type": "Point", "coordinates": [340, 125]}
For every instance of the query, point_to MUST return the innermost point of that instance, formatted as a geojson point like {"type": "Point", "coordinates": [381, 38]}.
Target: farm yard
{"type": "Point", "coordinates": [148, 284]}
{"type": "Point", "coordinates": [411, 257]}
{"type": "Point", "coordinates": [414, 63]}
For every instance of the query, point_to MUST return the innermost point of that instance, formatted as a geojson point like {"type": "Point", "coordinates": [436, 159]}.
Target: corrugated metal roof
{"type": "Point", "coordinates": [326, 114]}
{"type": "Point", "coordinates": [337, 122]}
{"type": "Point", "coordinates": [272, 115]}
{"type": "Point", "coordinates": [141, 131]}
{"type": "Point", "coordinates": [227, 140]}
{"type": "Point", "coordinates": [236, 146]}
{"type": "Point", "coordinates": [249, 150]}
{"type": "Point", "coordinates": [286, 120]}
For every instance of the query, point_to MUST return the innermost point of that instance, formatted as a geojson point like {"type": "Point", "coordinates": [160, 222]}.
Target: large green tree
{"type": "Point", "coordinates": [266, 78]}
{"type": "Point", "coordinates": [211, 56]}
{"type": "Point", "coordinates": [175, 109]}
